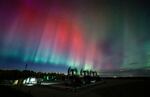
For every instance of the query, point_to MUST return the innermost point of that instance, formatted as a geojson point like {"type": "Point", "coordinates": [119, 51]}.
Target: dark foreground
{"type": "Point", "coordinates": [108, 88]}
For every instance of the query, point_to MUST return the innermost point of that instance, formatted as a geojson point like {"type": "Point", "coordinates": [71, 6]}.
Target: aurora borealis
{"type": "Point", "coordinates": [89, 34]}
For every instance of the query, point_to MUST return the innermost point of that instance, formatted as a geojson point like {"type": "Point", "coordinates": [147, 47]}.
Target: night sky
{"type": "Point", "coordinates": [51, 35]}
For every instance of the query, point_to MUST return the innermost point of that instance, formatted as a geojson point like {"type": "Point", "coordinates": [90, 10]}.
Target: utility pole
{"type": "Point", "coordinates": [26, 66]}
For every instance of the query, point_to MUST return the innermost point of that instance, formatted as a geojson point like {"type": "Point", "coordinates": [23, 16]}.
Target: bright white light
{"type": "Point", "coordinates": [33, 80]}
{"type": "Point", "coordinates": [15, 82]}
{"type": "Point", "coordinates": [24, 81]}
{"type": "Point", "coordinates": [30, 81]}
{"type": "Point", "coordinates": [114, 76]}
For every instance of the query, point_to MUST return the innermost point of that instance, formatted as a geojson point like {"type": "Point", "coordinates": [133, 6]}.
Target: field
{"type": "Point", "coordinates": [108, 88]}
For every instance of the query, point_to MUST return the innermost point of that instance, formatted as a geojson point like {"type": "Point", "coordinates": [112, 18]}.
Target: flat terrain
{"type": "Point", "coordinates": [108, 88]}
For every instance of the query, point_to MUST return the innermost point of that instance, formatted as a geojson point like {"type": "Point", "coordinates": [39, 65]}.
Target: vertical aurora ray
{"type": "Point", "coordinates": [84, 34]}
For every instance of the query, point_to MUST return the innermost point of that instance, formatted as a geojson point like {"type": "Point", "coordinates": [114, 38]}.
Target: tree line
{"type": "Point", "coordinates": [17, 74]}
